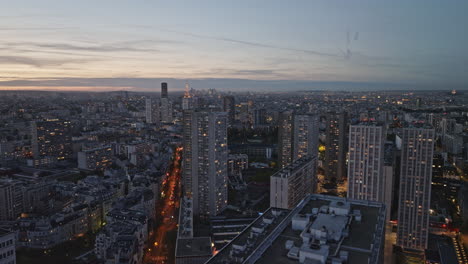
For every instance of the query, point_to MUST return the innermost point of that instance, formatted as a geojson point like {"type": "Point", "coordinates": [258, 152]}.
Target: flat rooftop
{"type": "Point", "coordinates": [252, 236]}
{"type": "Point", "coordinates": [196, 246]}
{"type": "Point", "coordinates": [354, 231]}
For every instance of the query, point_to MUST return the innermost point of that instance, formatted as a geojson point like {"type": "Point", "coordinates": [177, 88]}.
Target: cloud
{"type": "Point", "coordinates": [113, 47]}
{"type": "Point", "coordinates": [232, 84]}
{"type": "Point", "coordinates": [36, 62]}
{"type": "Point", "coordinates": [34, 28]}
{"type": "Point", "coordinates": [254, 72]}
{"type": "Point", "coordinates": [243, 42]}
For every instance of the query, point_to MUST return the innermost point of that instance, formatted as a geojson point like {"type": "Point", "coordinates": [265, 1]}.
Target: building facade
{"type": "Point", "coordinates": [7, 247]}
{"type": "Point", "coordinates": [205, 161]}
{"type": "Point", "coordinates": [52, 138]}
{"type": "Point", "coordinates": [415, 188]}
{"type": "Point", "coordinates": [285, 143]}
{"type": "Point", "coordinates": [366, 161]}
{"type": "Point", "coordinates": [152, 113]}
{"type": "Point", "coordinates": [229, 106]}
{"type": "Point", "coordinates": [298, 137]}
{"type": "Point", "coordinates": [291, 184]}
{"type": "Point", "coordinates": [95, 159]}
{"type": "Point", "coordinates": [336, 147]}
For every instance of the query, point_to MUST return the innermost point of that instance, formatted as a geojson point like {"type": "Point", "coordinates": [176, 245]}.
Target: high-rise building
{"type": "Point", "coordinates": [229, 106]}
{"type": "Point", "coordinates": [205, 173]}
{"type": "Point", "coordinates": [305, 136]}
{"type": "Point", "coordinates": [415, 188]}
{"type": "Point", "coordinates": [366, 161]}
{"type": "Point", "coordinates": [166, 105]}
{"type": "Point", "coordinates": [166, 111]}
{"type": "Point", "coordinates": [285, 152]}
{"type": "Point", "coordinates": [292, 183]}
{"type": "Point", "coordinates": [152, 113]}
{"type": "Point", "coordinates": [52, 138]}
{"type": "Point", "coordinates": [298, 137]}
{"type": "Point", "coordinates": [259, 117]}
{"type": "Point", "coordinates": [187, 99]}
{"type": "Point", "coordinates": [335, 149]}
{"type": "Point", "coordinates": [164, 93]}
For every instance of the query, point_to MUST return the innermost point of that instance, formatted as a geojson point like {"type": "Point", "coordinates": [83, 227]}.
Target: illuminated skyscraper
{"type": "Point", "coordinates": [415, 188]}
{"type": "Point", "coordinates": [298, 137]}
{"type": "Point", "coordinates": [205, 161]}
{"type": "Point", "coordinates": [335, 152]}
{"type": "Point", "coordinates": [305, 136]}
{"type": "Point", "coordinates": [285, 151]}
{"type": "Point", "coordinates": [187, 99]}
{"type": "Point", "coordinates": [366, 161]}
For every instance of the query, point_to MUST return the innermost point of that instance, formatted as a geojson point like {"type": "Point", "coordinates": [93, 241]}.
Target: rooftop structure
{"type": "Point", "coordinates": [321, 229]}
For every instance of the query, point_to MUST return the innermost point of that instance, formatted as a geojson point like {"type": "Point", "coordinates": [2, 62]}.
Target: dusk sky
{"type": "Point", "coordinates": [291, 44]}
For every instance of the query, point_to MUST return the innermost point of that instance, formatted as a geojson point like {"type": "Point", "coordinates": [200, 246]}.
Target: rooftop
{"type": "Point", "coordinates": [293, 167]}
{"type": "Point", "coordinates": [244, 244]}
{"type": "Point", "coordinates": [319, 230]}
{"type": "Point", "coordinates": [196, 246]}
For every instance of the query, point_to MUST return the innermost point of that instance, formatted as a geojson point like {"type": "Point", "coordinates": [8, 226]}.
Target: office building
{"type": "Point", "coordinates": [320, 229]}
{"type": "Point", "coordinates": [366, 161]}
{"type": "Point", "coordinates": [152, 111]}
{"type": "Point", "coordinates": [205, 161]}
{"type": "Point", "coordinates": [336, 147]}
{"type": "Point", "coordinates": [415, 188]}
{"type": "Point", "coordinates": [292, 183]}
{"type": "Point", "coordinates": [51, 138]}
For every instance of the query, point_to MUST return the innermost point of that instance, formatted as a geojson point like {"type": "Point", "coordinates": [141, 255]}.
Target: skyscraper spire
{"type": "Point", "coordinates": [187, 92]}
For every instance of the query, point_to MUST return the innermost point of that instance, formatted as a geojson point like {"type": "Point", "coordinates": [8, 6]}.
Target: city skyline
{"type": "Point", "coordinates": [243, 46]}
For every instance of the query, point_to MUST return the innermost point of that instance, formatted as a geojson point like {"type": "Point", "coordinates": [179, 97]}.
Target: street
{"type": "Point", "coordinates": [167, 209]}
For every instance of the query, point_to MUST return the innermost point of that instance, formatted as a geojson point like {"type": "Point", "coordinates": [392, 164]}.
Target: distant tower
{"type": "Point", "coordinates": [230, 107]}
{"type": "Point", "coordinates": [152, 111]}
{"type": "Point", "coordinates": [163, 90]}
{"type": "Point", "coordinates": [166, 105]}
{"type": "Point", "coordinates": [187, 100]}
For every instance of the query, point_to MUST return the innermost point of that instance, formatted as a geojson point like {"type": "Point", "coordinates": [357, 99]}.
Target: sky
{"type": "Point", "coordinates": [236, 45]}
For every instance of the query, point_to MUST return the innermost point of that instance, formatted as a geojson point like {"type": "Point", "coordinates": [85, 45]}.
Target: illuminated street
{"type": "Point", "coordinates": [163, 240]}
